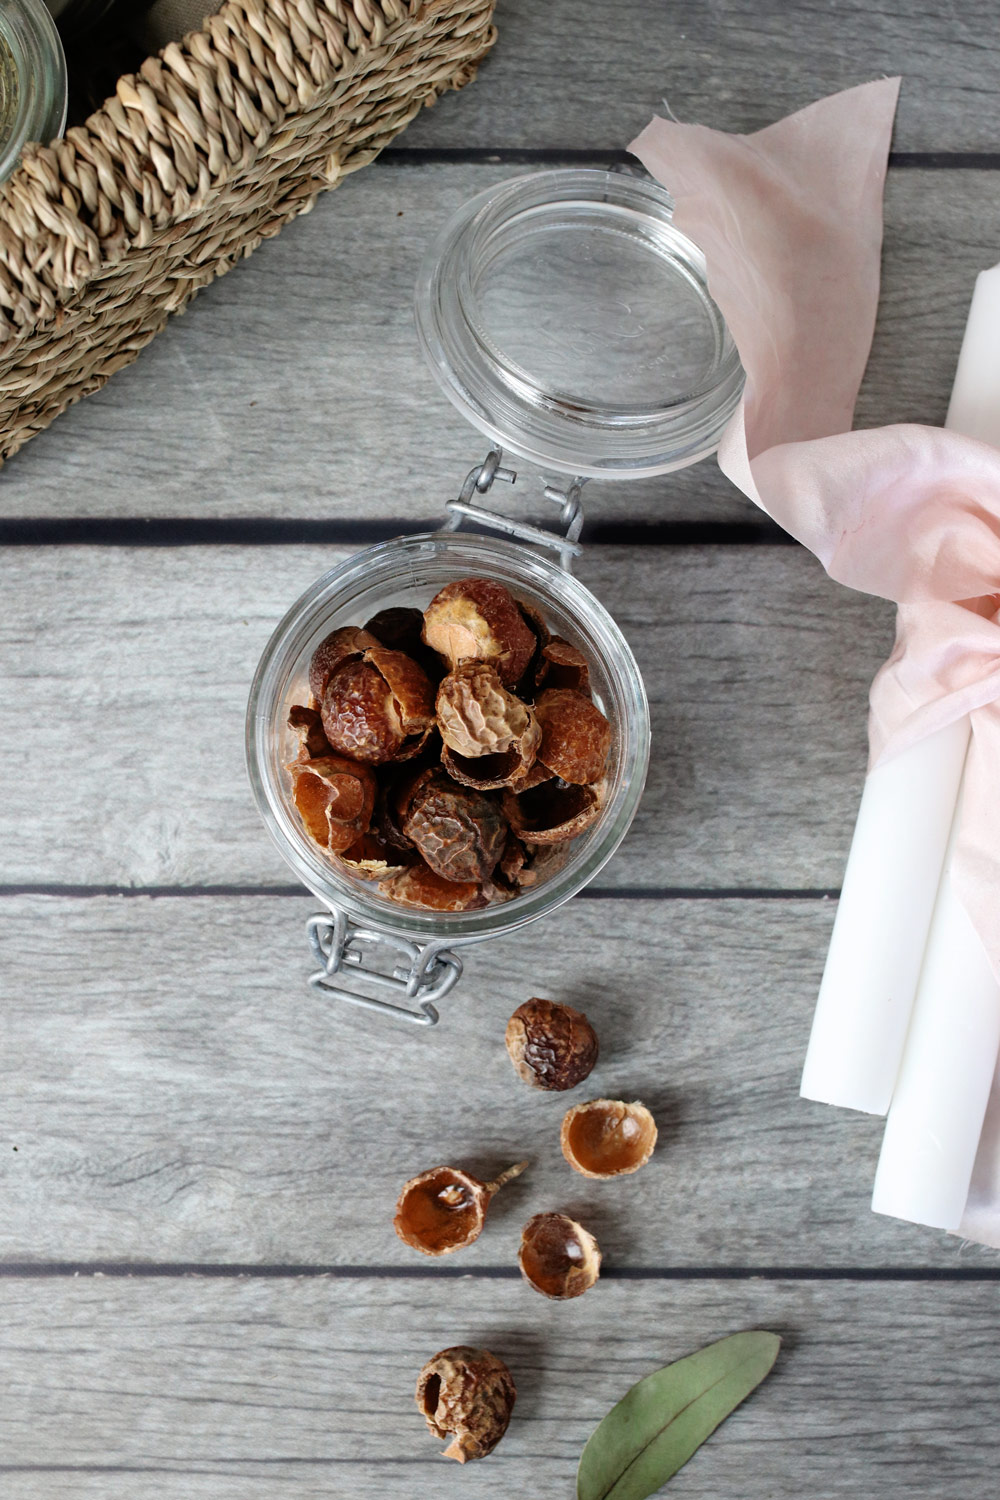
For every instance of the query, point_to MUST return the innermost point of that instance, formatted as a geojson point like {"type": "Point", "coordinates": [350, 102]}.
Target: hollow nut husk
{"type": "Point", "coordinates": [467, 1394]}
{"type": "Point", "coordinates": [377, 707]}
{"type": "Point", "coordinates": [479, 618]}
{"type": "Point", "coordinates": [490, 737]}
{"type": "Point", "coordinates": [444, 1210]}
{"type": "Point", "coordinates": [552, 1046]}
{"type": "Point", "coordinates": [459, 831]}
{"type": "Point", "coordinates": [607, 1137]}
{"type": "Point", "coordinates": [335, 798]}
{"type": "Point", "coordinates": [558, 1256]}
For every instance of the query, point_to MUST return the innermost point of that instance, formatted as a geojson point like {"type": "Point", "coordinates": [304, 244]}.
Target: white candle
{"type": "Point", "coordinates": [883, 916]}
{"type": "Point", "coordinates": [894, 869]}
{"type": "Point", "coordinates": [939, 1104]}
{"type": "Point", "coordinates": [936, 1118]}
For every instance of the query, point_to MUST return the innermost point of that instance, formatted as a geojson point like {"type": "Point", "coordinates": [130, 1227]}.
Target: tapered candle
{"type": "Point", "coordinates": [890, 885]}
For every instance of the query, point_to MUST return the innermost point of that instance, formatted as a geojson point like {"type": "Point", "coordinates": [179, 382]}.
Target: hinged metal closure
{"type": "Point", "coordinates": [422, 973]}
{"type": "Point", "coordinates": [479, 479]}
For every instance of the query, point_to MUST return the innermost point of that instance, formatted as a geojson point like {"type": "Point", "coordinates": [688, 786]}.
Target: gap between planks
{"type": "Point", "coordinates": [171, 1270]}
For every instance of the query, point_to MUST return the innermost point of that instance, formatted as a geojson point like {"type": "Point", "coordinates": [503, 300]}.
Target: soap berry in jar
{"type": "Point", "coordinates": [477, 618]}
{"type": "Point", "coordinates": [554, 811]}
{"type": "Point", "coordinates": [490, 737]}
{"type": "Point", "coordinates": [576, 737]}
{"type": "Point", "coordinates": [421, 887]}
{"type": "Point", "coordinates": [459, 831]}
{"type": "Point", "coordinates": [346, 643]}
{"type": "Point", "coordinates": [378, 707]}
{"type": "Point", "coordinates": [335, 798]}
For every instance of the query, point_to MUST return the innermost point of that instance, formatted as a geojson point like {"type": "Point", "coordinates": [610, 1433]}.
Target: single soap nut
{"type": "Point", "coordinates": [459, 831]}
{"type": "Point", "coordinates": [479, 618]}
{"type": "Point", "coordinates": [444, 1210]}
{"type": "Point", "coordinates": [607, 1137]}
{"type": "Point", "coordinates": [576, 737]}
{"type": "Point", "coordinates": [558, 1257]}
{"type": "Point", "coordinates": [552, 1046]}
{"type": "Point", "coordinates": [467, 1394]}
{"type": "Point", "coordinates": [378, 707]}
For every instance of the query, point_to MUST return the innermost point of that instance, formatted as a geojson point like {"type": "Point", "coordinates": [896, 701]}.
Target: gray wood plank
{"type": "Point", "coordinates": [580, 73]}
{"type": "Point", "coordinates": [137, 662]}
{"type": "Point", "coordinates": [294, 387]}
{"type": "Point", "coordinates": [175, 1092]}
{"type": "Point", "coordinates": [223, 1390]}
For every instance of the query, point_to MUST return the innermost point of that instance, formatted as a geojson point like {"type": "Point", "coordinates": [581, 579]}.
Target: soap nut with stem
{"type": "Point", "coordinates": [444, 1210]}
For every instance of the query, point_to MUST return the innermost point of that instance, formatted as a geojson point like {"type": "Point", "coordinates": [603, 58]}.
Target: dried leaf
{"type": "Point", "coordinates": [663, 1419]}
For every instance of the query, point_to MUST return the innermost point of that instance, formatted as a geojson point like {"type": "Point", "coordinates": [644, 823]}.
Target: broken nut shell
{"type": "Point", "coordinates": [459, 831]}
{"type": "Point", "coordinates": [468, 1394]}
{"type": "Point", "coordinates": [334, 649]}
{"type": "Point", "coordinates": [479, 618]}
{"type": "Point", "coordinates": [553, 814]}
{"type": "Point", "coordinates": [552, 1046]}
{"type": "Point", "coordinates": [558, 1256]}
{"type": "Point", "coordinates": [419, 886]}
{"type": "Point", "coordinates": [576, 737]}
{"type": "Point", "coordinates": [443, 1210]}
{"type": "Point", "coordinates": [335, 798]}
{"type": "Point", "coordinates": [377, 707]}
{"type": "Point", "coordinates": [607, 1137]}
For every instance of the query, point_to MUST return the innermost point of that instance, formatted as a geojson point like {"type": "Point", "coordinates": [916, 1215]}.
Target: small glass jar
{"type": "Point", "coordinates": [568, 320]}
{"type": "Point", "coordinates": [33, 93]}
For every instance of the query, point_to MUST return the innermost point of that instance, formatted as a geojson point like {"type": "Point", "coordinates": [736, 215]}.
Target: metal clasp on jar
{"type": "Point", "coordinates": [419, 972]}
{"type": "Point", "coordinates": [479, 479]}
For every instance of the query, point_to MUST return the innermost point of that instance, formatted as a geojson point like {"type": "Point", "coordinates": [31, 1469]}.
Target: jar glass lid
{"type": "Point", "coordinates": [567, 319]}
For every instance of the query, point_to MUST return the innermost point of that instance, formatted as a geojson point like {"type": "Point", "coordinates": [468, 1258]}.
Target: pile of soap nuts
{"type": "Point", "coordinates": [468, 1393]}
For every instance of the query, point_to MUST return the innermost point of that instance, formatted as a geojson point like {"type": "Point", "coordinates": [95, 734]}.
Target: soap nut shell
{"type": "Point", "coordinates": [558, 1257]}
{"type": "Point", "coordinates": [607, 1137]}
{"type": "Point", "coordinates": [551, 1046]}
{"type": "Point", "coordinates": [468, 1394]}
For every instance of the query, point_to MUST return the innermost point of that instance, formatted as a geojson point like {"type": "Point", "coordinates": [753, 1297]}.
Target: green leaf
{"type": "Point", "coordinates": [663, 1419]}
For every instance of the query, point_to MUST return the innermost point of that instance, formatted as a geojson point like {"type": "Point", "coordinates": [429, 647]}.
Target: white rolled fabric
{"type": "Point", "coordinates": [939, 1103]}
{"type": "Point", "coordinates": [894, 869]}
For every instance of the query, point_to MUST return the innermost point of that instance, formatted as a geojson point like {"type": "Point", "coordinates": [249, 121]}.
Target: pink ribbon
{"type": "Point", "coordinates": [790, 222]}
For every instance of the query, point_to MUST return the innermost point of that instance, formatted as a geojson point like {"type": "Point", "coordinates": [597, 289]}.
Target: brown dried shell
{"type": "Point", "coordinates": [478, 618]}
{"type": "Point", "coordinates": [563, 666]}
{"type": "Point", "coordinates": [459, 832]}
{"type": "Point", "coordinates": [552, 1046]}
{"type": "Point", "coordinates": [335, 798]}
{"type": "Point", "coordinates": [467, 1394]}
{"type": "Point", "coordinates": [306, 725]}
{"type": "Point", "coordinates": [339, 646]}
{"type": "Point", "coordinates": [378, 707]}
{"type": "Point", "coordinates": [477, 715]}
{"type": "Point", "coordinates": [401, 629]}
{"type": "Point", "coordinates": [420, 887]}
{"type": "Point", "coordinates": [443, 1210]}
{"type": "Point", "coordinates": [558, 1256]}
{"type": "Point", "coordinates": [576, 737]}
{"type": "Point", "coordinates": [608, 1138]}
{"type": "Point", "coordinates": [553, 812]}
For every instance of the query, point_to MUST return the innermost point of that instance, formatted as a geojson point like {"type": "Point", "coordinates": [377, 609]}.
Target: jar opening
{"type": "Point", "coordinates": [566, 317]}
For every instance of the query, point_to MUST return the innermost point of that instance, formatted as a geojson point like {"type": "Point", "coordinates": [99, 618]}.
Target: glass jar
{"type": "Point", "coordinates": [568, 320]}
{"type": "Point", "coordinates": [32, 80]}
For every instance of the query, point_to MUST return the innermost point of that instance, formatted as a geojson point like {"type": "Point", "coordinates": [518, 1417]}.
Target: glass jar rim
{"type": "Point", "coordinates": [611, 439]}
{"type": "Point", "coordinates": [289, 641]}
{"type": "Point", "coordinates": [28, 30]}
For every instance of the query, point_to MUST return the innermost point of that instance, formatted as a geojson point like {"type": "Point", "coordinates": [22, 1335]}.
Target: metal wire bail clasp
{"type": "Point", "coordinates": [479, 480]}
{"type": "Point", "coordinates": [421, 972]}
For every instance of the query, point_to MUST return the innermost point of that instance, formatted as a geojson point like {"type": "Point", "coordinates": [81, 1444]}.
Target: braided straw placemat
{"type": "Point", "coordinates": [210, 148]}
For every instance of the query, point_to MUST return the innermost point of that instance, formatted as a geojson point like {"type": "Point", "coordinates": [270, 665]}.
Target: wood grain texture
{"type": "Point", "coordinates": [232, 1390]}
{"type": "Point", "coordinates": [138, 663]}
{"type": "Point", "coordinates": [294, 387]}
{"type": "Point", "coordinates": [175, 1092]}
{"type": "Point", "coordinates": [577, 73]}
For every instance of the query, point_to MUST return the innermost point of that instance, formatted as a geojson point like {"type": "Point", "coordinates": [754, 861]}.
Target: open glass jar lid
{"type": "Point", "coordinates": [569, 320]}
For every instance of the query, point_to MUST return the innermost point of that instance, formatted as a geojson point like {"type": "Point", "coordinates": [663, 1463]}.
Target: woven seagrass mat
{"type": "Point", "coordinates": [208, 150]}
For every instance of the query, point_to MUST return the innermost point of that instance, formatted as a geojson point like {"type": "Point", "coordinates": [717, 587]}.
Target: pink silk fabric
{"type": "Point", "coordinates": [790, 221]}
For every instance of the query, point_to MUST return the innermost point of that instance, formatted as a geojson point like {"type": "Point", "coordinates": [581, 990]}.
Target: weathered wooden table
{"type": "Point", "coordinates": [203, 1296]}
